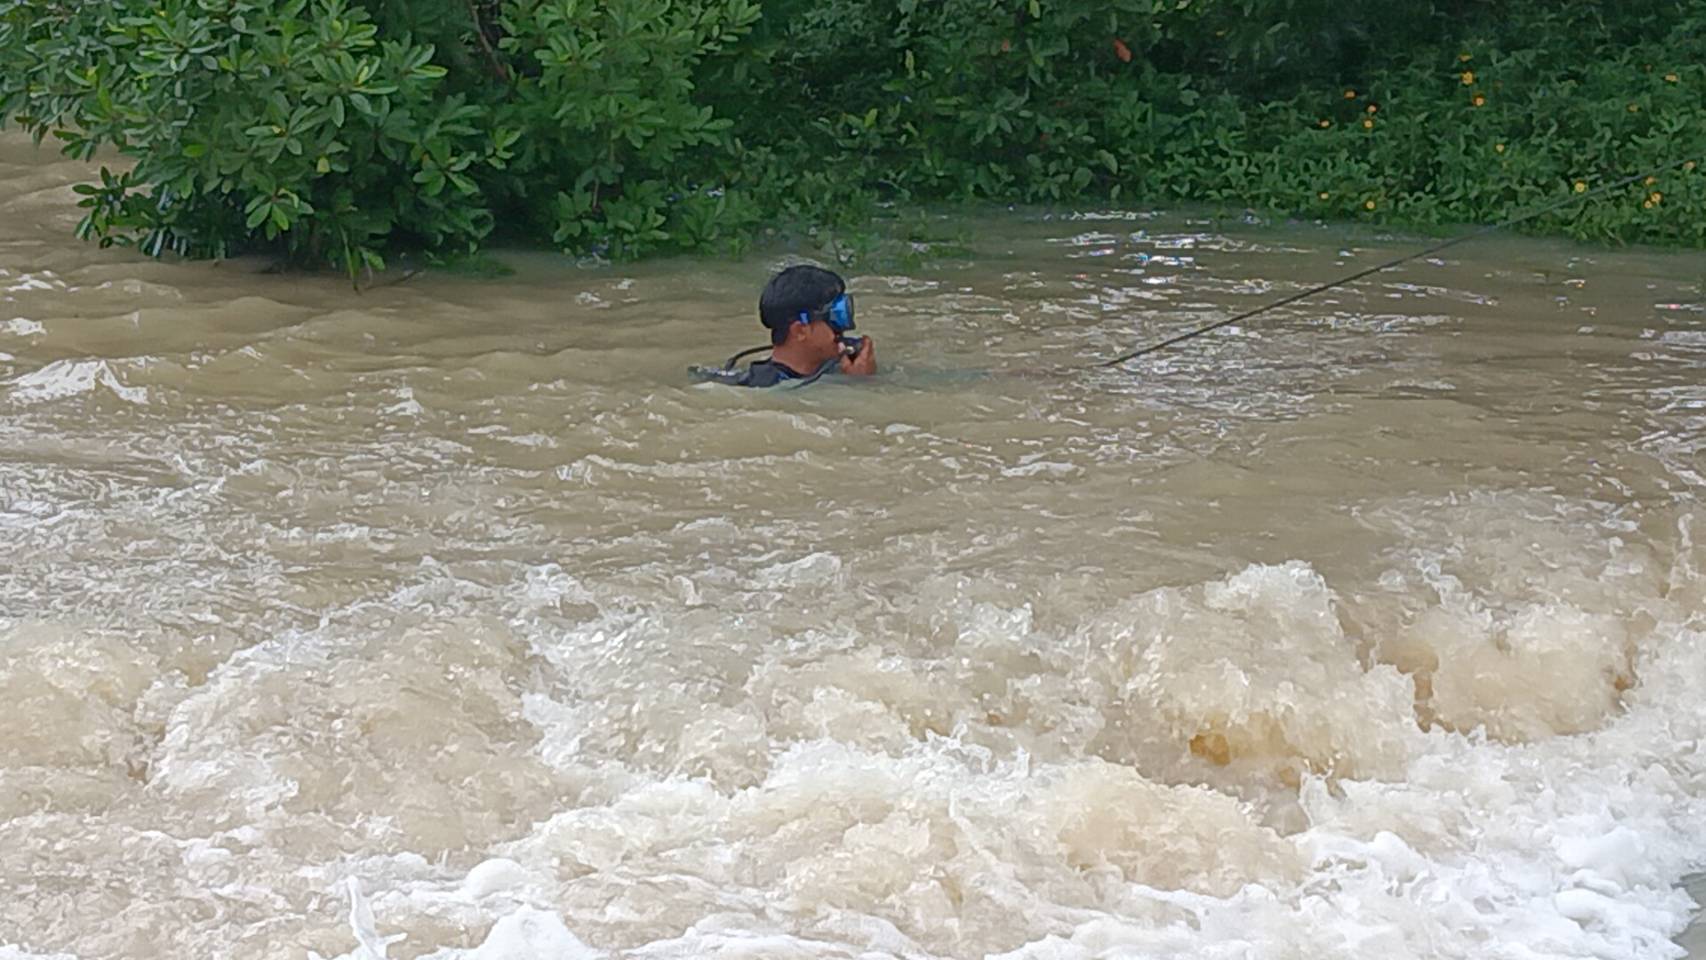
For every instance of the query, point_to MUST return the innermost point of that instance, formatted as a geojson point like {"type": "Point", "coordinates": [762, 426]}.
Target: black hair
{"type": "Point", "coordinates": [801, 288]}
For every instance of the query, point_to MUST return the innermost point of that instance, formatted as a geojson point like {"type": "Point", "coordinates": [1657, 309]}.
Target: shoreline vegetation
{"type": "Point", "coordinates": [340, 132]}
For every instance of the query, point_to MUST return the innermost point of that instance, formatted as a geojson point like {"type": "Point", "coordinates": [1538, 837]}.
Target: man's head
{"type": "Point", "coordinates": [795, 306]}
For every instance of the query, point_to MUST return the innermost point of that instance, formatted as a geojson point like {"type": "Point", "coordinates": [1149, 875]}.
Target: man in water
{"type": "Point", "coordinates": [809, 314]}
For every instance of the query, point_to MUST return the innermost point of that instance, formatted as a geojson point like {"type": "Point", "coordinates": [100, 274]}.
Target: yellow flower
{"type": "Point", "coordinates": [1650, 181]}
{"type": "Point", "coordinates": [1646, 204]}
{"type": "Point", "coordinates": [1463, 58]}
{"type": "Point", "coordinates": [1478, 101]}
{"type": "Point", "coordinates": [1581, 186]}
{"type": "Point", "coordinates": [1468, 77]}
{"type": "Point", "coordinates": [1634, 108]}
{"type": "Point", "coordinates": [1368, 205]}
{"type": "Point", "coordinates": [1689, 165]}
{"type": "Point", "coordinates": [1670, 78]}
{"type": "Point", "coordinates": [1323, 195]}
{"type": "Point", "coordinates": [1373, 108]}
{"type": "Point", "coordinates": [1350, 94]}
{"type": "Point", "coordinates": [1368, 124]}
{"type": "Point", "coordinates": [1324, 124]}
{"type": "Point", "coordinates": [1498, 148]}
{"type": "Point", "coordinates": [1655, 197]}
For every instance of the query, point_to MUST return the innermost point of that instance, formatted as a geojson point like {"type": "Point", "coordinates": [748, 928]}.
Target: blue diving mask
{"type": "Point", "coordinates": [838, 314]}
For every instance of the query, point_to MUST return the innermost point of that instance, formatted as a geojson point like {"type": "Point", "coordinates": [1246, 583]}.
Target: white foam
{"type": "Point", "coordinates": [1043, 468]}
{"type": "Point", "coordinates": [46, 281]}
{"type": "Point", "coordinates": [904, 843]}
{"type": "Point", "coordinates": [70, 378]}
{"type": "Point", "coordinates": [406, 405]}
{"type": "Point", "coordinates": [815, 569]}
{"type": "Point", "coordinates": [372, 945]}
{"type": "Point", "coordinates": [526, 934]}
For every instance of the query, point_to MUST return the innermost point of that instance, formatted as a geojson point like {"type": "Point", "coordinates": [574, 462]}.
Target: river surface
{"type": "Point", "coordinates": [450, 619]}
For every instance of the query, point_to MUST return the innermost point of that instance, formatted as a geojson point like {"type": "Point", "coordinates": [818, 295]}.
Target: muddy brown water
{"type": "Point", "coordinates": [453, 611]}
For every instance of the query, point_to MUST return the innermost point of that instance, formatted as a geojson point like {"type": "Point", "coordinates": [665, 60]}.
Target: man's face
{"type": "Point", "coordinates": [819, 337]}
{"type": "Point", "coordinates": [824, 332]}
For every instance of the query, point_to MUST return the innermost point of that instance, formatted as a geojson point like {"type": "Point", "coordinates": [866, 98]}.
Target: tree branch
{"type": "Point", "coordinates": [498, 66]}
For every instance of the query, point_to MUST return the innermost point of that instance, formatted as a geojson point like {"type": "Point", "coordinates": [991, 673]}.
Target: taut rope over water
{"type": "Point", "coordinates": [1206, 328]}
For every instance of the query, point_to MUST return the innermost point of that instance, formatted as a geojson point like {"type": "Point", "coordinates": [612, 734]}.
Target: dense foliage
{"type": "Point", "coordinates": [335, 130]}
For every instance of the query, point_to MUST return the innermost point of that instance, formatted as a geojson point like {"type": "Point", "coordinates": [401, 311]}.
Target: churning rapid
{"type": "Point", "coordinates": [451, 619]}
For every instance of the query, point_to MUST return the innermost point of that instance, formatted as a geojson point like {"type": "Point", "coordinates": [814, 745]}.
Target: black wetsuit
{"type": "Point", "coordinates": [764, 373]}
{"type": "Point", "coordinates": [768, 373]}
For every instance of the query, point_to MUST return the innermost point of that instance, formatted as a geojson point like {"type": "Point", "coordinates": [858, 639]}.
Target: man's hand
{"type": "Point", "coordinates": [863, 363]}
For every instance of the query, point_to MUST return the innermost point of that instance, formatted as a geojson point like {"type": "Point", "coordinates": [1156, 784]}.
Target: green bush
{"type": "Point", "coordinates": [277, 123]}
{"type": "Point", "coordinates": [1156, 103]}
{"type": "Point", "coordinates": [615, 143]}
{"type": "Point", "coordinates": [335, 130]}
